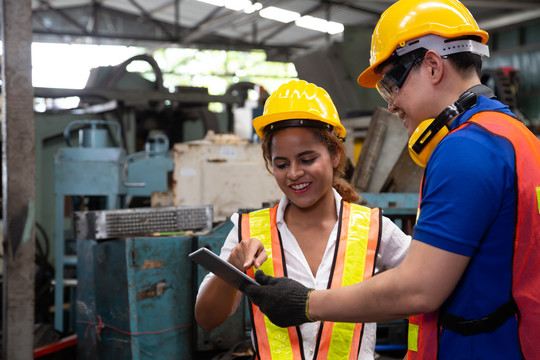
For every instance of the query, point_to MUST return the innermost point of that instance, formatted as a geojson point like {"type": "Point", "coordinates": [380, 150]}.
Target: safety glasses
{"type": "Point", "coordinates": [394, 79]}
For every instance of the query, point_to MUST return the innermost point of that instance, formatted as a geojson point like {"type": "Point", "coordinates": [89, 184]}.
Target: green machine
{"type": "Point", "coordinates": [136, 291]}
{"type": "Point", "coordinates": [104, 173]}
{"type": "Point", "coordinates": [125, 126]}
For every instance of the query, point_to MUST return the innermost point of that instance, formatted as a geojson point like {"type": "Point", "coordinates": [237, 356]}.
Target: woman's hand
{"type": "Point", "coordinates": [248, 253]}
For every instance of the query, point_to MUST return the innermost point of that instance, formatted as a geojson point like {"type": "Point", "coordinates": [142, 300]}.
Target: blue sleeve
{"type": "Point", "coordinates": [463, 190]}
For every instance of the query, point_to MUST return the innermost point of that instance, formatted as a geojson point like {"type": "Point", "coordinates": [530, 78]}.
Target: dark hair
{"type": "Point", "coordinates": [333, 144]}
{"type": "Point", "coordinates": [465, 61]}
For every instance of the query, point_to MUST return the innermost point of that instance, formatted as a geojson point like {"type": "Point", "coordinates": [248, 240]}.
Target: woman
{"type": "Point", "coordinates": [315, 235]}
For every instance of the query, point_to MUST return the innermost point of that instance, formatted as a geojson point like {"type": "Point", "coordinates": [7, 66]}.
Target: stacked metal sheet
{"type": "Point", "coordinates": [108, 224]}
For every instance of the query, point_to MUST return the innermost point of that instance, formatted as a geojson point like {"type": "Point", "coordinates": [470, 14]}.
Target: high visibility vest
{"type": "Point", "coordinates": [354, 260]}
{"type": "Point", "coordinates": [424, 329]}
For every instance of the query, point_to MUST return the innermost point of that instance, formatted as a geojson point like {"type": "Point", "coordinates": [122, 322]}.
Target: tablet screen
{"type": "Point", "coordinates": [210, 261]}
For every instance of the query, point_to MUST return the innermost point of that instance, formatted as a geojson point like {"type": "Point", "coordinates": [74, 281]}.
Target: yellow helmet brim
{"type": "Point", "coordinates": [260, 122]}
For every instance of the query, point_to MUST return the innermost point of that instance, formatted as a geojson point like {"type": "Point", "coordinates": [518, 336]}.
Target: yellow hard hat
{"type": "Point", "coordinates": [299, 103]}
{"type": "Point", "coordinates": [411, 19]}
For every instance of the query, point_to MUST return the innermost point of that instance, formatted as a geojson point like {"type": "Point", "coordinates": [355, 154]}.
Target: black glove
{"type": "Point", "coordinates": [282, 300]}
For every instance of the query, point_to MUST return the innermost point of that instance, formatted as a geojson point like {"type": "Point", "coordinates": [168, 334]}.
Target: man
{"type": "Point", "coordinates": [471, 278]}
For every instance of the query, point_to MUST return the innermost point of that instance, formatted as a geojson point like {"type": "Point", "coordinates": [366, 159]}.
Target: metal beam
{"type": "Point", "coordinates": [221, 17]}
{"type": "Point", "coordinates": [135, 97]}
{"type": "Point", "coordinates": [18, 181]}
{"type": "Point", "coordinates": [211, 23]}
{"type": "Point", "coordinates": [146, 15]}
{"type": "Point", "coordinates": [510, 19]}
{"type": "Point", "coordinates": [64, 15]}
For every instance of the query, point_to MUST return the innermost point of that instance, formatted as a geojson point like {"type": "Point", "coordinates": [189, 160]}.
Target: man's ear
{"type": "Point", "coordinates": [435, 66]}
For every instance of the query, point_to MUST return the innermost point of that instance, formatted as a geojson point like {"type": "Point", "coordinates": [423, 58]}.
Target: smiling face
{"type": "Point", "coordinates": [410, 103]}
{"type": "Point", "coordinates": [425, 90]}
{"type": "Point", "coordinates": [302, 166]}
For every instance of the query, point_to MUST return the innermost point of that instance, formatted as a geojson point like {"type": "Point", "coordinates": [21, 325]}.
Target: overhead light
{"type": "Point", "coordinates": [509, 19]}
{"type": "Point", "coordinates": [282, 15]}
{"type": "Point", "coordinates": [237, 5]}
{"type": "Point", "coordinates": [335, 28]}
{"type": "Point", "coordinates": [243, 5]}
{"type": "Point", "coordinates": [251, 8]}
{"type": "Point", "coordinates": [317, 24]}
{"type": "Point", "coordinates": [214, 2]}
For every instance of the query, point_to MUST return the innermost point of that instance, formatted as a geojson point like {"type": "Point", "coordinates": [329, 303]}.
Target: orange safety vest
{"type": "Point", "coordinates": [424, 329]}
{"type": "Point", "coordinates": [354, 261]}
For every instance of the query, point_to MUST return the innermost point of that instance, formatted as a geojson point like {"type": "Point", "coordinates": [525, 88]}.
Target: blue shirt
{"type": "Point", "coordinates": [468, 208]}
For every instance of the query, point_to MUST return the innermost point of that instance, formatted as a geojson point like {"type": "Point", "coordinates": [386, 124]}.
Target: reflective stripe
{"type": "Point", "coordinates": [373, 243]}
{"type": "Point", "coordinates": [357, 247]}
{"type": "Point", "coordinates": [354, 261]}
{"type": "Point", "coordinates": [426, 334]}
{"type": "Point", "coordinates": [272, 339]}
{"type": "Point", "coordinates": [258, 227]}
{"type": "Point", "coordinates": [353, 253]}
{"type": "Point", "coordinates": [538, 198]}
{"type": "Point", "coordinates": [412, 343]}
{"type": "Point", "coordinates": [257, 317]}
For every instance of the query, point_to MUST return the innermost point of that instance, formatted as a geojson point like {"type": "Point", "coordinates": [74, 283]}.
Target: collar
{"type": "Point", "coordinates": [483, 103]}
{"type": "Point", "coordinates": [284, 202]}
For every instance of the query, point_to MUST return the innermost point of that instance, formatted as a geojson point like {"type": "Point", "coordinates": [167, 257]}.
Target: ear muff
{"type": "Point", "coordinates": [430, 132]}
{"type": "Point", "coordinates": [424, 136]}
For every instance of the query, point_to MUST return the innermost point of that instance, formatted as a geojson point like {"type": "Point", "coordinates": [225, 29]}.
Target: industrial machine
{"type": "Point", "coordinates": [125, 126]}
{"type": "Point", "coordinates": [142, 108]}
{"type": "Point", "coordinates": [101, 174]}
{"type": "Point", "coordinates": [137, 286]}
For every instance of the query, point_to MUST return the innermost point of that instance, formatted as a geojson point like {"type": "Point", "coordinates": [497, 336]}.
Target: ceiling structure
{"type": "Point", "coordinates": [199, 24]}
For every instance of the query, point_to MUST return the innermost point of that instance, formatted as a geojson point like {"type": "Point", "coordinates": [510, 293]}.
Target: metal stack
{"type": "Point", "coordinates": [107, 224]}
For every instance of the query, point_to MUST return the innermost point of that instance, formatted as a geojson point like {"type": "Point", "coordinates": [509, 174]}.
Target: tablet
{"type": "Point", "coordinates": [210, 261]}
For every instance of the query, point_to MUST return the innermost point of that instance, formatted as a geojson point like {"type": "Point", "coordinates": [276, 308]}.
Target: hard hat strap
{"type": "Point", "coordinates": [297, 123]}
{"type": "Point", "coordinates": [282, 124]}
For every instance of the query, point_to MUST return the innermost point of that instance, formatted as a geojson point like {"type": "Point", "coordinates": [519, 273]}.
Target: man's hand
{"type": "Point", "coordinates": [283, 300]}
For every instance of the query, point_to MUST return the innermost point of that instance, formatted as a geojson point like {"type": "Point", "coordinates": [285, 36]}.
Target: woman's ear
{"type": "Point", "coordinates": [336, 158]}
{"type": "Point", "coordinates": [435, 65]}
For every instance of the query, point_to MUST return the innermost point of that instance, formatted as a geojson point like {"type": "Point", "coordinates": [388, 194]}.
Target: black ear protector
{"type": "Point", "coordinates": [430, 132]}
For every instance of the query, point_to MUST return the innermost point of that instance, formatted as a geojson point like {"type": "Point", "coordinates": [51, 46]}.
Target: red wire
{"type": "Point", "coordinates": [101, 325]}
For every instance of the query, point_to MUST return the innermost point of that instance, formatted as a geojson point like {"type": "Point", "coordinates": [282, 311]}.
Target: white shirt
{"type": "Point", "coordinates": [392, 249]}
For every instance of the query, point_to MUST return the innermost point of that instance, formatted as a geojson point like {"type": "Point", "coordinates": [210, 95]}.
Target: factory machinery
{"type": "Point", "coordinates": [136, 285]}
{"type": "Point", "coordinates": [112, 152]}
{"type": "Point", "coordinates": [106, 174]}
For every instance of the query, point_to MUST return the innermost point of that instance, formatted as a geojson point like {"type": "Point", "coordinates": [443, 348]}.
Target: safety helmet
{"type": "Point", "coordinates": [299, 103]}
{"type": "Point", "coordinates": [408, 20]}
